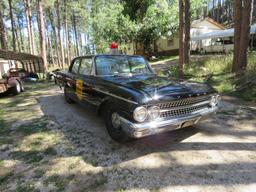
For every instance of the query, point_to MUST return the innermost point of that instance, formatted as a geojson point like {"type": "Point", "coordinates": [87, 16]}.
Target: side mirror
{"type": "Point", "coordinates": [4, 75]}
{"type": "Point", "coordinates": [169, 73]}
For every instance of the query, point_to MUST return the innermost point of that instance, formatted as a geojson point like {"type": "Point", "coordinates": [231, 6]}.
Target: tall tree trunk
{"type": "Point", "coordinates": [181, 38]}
{"type": "Point", "coordinates": [22, 47]}
{"type": "Point", "coordinates": [41, 27]}
{"type": "Point", "coordinates": [13, 26]}
{"type": "Point", "coordinates": [218, 11]}
{"type": "Point", "coordinates": [3, 36]}
{"type": "Point", "coordinates": [74, 47]}
{"type": "Point", "coordinates": [80, 37]}
{"type": "Point", "coordinates": [69, 46]}
{"type": "Point", "coordinates": [76, 35]}
{"type": "Point", "coordinates": [213, 9]}
{"type": "Point", "coordinates": [48, 46]}
{"type": "Point", "coordinates": [47, 42]}
{"type": "Point", "coordinates": [18, 39]}
{"type": "Point", "coordinates": [59, 34]}
{"type": "Point", "coordinates": [30, 27]}
{"type": "Point", "coordinates": [237, 29]}
{"type": "Point", "coordinates": [55, 38]}
{"type": "Point", "coordinates": [245, 33]}
{"type": "Point", "coordinates": [67, 33]}
{"type": "Point", "coordinates": [51, 50]}
{"type": "Point", "coordinates": [17, 34]}
{"type": "Point", "coordinates": [187, 32]}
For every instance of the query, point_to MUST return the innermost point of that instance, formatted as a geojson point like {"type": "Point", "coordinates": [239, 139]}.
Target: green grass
{"type": "Point", "coordinates": [5, 177]}
{"type": "Point", "coordinates": [54, 67]}
{"type": "Point", "coordinates": [50, 151]}
{"type": "Point", "coordinates": [1, 163]}
{"type": "Point", "coordinates": [59, 181]}
{"type": "Point", "coordinates": [38, 125]}
{"type": "Point", "coordinates": [4, 131]}
{"type": "Point", "coordinates": [97, 183]}
{"type": "Point", "coordinates": [225, 82]}
{"type": "Point", "coordinates": [25, 187]}
{"type": "Point", "coordinates": [38, 173]}
{"type": "Point", "coordinates": [2, 122]}
{"type": "Point", "coordinates": [162, 59]}
{"type": "Point", "coordinates": [29, 157]}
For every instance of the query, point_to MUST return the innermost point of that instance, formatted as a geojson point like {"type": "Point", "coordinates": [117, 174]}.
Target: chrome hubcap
{"type": "Point", "coordinates": [115, 120]}
{"type": "Point", "coordinates": [18, 87]}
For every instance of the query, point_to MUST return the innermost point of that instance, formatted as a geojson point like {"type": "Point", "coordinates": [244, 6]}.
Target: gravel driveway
{"type": "Point", "coordinates": [217, 155]}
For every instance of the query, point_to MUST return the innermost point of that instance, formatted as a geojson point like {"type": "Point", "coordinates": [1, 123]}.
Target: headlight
{"type": "Point", "coordinates": [140, 114]}
{"type": "Point", "coordinates": [154, 112]}
{"type": "Point", "coordinates": [214, 100]}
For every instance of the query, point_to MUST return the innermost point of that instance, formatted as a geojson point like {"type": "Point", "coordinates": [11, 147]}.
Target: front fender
{"type": "Point", "coordinates": [125, 109]}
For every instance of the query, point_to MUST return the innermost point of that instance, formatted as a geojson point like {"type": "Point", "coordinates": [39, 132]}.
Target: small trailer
{"type": "Point", "coordinates": [26, 66]}
{"type": "Point", "coordinates": [221, 41]}
{"type": "Point", "coordinates": [13, 84]}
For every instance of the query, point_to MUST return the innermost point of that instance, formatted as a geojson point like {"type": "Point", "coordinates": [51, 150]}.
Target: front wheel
{"type": "Point", "coordinates": [67, 98]}
{"type": "Point", "coordinates": [113, 124]}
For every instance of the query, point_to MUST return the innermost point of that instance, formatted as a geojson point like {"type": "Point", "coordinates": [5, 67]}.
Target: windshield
{"type": "Point", "coordinates": [121, 65]}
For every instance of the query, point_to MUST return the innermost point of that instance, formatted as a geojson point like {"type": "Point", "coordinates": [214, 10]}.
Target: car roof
{"type": "Point", "coordinates": [91, 56]}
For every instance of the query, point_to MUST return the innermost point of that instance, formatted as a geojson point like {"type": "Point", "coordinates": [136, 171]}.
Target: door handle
{"type": "Point", "coordinates": [69, 84]}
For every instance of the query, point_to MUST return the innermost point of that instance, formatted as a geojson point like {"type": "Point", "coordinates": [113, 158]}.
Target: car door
{"type": "Point", "coordinates": [84, 82]}
{"type": "Point", "coordinates": [72, 79]}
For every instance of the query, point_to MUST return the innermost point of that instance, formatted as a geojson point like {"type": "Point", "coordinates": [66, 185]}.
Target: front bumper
{"type": "Point", "coordinates": [138, 130]}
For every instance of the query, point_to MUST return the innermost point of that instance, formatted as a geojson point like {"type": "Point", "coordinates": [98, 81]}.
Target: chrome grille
{"type": "Point", "coordinates": [183, 102]}
{"type": "Point", "coordinates": [183, 106]}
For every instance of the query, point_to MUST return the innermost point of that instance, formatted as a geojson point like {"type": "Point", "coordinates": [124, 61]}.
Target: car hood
{"type": "Point", "coordinates": [161, 88]}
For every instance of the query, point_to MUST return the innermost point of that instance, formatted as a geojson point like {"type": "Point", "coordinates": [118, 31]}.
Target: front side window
{"type": "Point", "coordinates": [121, 65]}
{"type": "Point", "coordinates": [75, 66]}
{"type": "Point", "coordinates": [86, 66]}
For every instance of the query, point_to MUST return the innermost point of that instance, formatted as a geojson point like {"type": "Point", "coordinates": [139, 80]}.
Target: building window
{"type": "Point", "coordinates": [170, 42]}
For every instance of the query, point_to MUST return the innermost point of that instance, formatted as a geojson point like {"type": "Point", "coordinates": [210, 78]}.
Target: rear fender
{"type": "Point", "coordinates": [3, 87]}
{"type": "Point", "coordinates": [60, 80]}
{"type": "Point", "coordinates": [12, 82]}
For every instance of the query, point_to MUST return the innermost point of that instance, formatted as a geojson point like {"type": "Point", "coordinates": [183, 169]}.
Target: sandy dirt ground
{"type": "Point", "coordinates": [78, 155]}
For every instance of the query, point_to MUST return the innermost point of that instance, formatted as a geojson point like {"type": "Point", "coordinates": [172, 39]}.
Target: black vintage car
{"type": "Point", "coordinates": [133, 100]}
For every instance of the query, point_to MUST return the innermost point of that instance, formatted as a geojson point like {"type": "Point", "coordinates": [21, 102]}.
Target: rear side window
{"type": "Point", "coordinates": [75, 66]}
{"type": "Point", "coordinates": [86, 66]}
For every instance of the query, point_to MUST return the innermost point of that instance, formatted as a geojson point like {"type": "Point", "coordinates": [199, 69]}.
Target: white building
{"type": "Point", "coordinates": [170, 45]}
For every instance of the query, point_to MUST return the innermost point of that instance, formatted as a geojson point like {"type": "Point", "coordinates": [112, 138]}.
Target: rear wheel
{"type": "Point", "coordinates": [67, 98]}
{"type": "Point", "coordinates": [17, 88]}
{"type": "Point", "coordinates": [113, 124]}
{"type": "Point", "coordinates": [22, 87]}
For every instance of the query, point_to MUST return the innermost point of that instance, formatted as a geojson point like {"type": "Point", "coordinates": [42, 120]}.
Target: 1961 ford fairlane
{"type": "Point", "coordinates": [134, 101]}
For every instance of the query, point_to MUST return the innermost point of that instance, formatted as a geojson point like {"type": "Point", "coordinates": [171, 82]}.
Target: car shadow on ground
{"type": "Point", "coordinates": [218, 152]}
{"type": "Point", "coordinates": [87, 133]}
